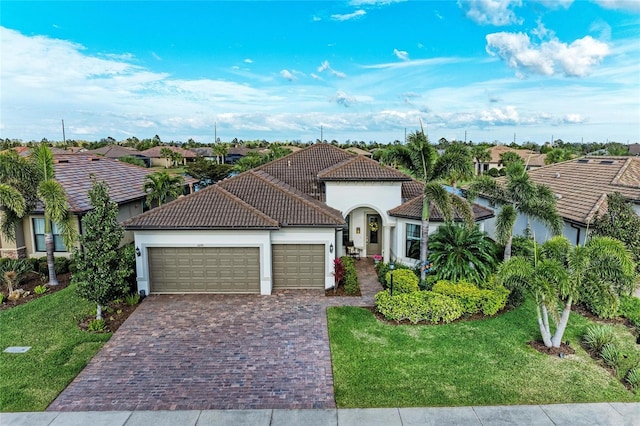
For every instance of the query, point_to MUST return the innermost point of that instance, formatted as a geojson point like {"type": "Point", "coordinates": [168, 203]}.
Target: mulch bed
{"type": "Point", "coordinates": [563, 350]}
{"type": "Point", "coordinates": [340, 292]}
{"type": "Point", "coordinates": [114, 315]}
{"type": "Point", "coordinates": [29, 283]}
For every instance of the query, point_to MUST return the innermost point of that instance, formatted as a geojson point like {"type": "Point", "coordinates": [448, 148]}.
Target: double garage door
{"type": "Point", "coordinates": [233, 269]}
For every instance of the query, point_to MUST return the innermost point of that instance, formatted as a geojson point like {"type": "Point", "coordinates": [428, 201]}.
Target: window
{"type": "Point", "coordinates": [38, 232]}
{"type": "Point", "coordinates": [345, 232]}
{"type": "Point", "coordinates": [413, 241]}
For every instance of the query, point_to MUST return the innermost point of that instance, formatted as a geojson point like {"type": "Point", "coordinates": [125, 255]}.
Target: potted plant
{"type": "Point", "coordinates": [377, 258]}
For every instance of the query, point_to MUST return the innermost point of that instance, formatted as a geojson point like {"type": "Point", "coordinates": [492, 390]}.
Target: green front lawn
{"type": "Point", "coordinates": [59, 349]}
{"type": "Point", "coordinates": [485, 362]}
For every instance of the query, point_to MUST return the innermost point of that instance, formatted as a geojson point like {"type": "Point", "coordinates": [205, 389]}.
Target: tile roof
{"type": "Point", "coordinates": [115, 151]}
{"type": "Point", "coordinates": [300, 169]}
{"type": "Point", "coordinates": [581, 185]}
{"type": "Point", "coordinates": [412, 209]}
{"type": "Point", "coordinates": [361, 168]}
{"type": "Point", "coordinates": [210, 208]}
{"type": "Point", "coordinates": [155, 151]}
{"type": "Point", "coordinates": [531, 158]}
{"type": "Point", "coordinates": [74, 172]}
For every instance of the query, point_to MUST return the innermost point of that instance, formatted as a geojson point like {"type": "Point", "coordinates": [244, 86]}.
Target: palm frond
{"type": "Point", "coordinates": [504, 223]}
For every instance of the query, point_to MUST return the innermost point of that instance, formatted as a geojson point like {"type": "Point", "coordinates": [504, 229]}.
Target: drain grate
{"type": "Point", "coordinates": [17, 349]}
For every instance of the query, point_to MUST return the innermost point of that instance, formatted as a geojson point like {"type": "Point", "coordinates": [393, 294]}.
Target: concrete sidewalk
{"type": "Point", "coordinates": [561, 414]}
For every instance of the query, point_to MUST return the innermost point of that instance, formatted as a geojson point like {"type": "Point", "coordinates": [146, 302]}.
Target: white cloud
{"type": "Point", "coordinates": [374, 2]}
{"type": "Point", "coordinates": [316, 77]}
{"type": "Point", "coordinates": [574, 60]}
{"type": "Point", "coordinates": [326, 66]}
{"type": "Point", "coordinates": [491, 12]}
{"type": "Point", "coordinates": [632, 5]}
{"type": "Point", "coordinates": [401, 54]}
{"type": "Point", "coordinates": [156, 56]}
{"type": "Point", "coordinates": [248, 61]}
{"type": "Point", "coordinates": [344, 100]}
{"type": "Point", "coordinates": [346, 17]}
{"type": "Point", "coordinates": [287, 75]}
{"type": "Point", "coordinates": [555, 4]}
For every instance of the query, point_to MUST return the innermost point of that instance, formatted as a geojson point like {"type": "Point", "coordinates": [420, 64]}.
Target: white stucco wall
{"type": "Point", "coordinates": [184, 238]}
{"type": "Point", "coordinates": [325, 236]}
{"type": "Point", "coordinates": [401, 231]}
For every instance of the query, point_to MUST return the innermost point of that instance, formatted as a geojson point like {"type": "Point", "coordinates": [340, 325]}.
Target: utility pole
{"type": "Point", "coordinates": [465, 136]}
{"type": "Point", "coordinates": [321, 134]}
{"type": "Point", "coordinates": [215, 132]}
{"type": "Point", "coordinates": [64, 138]}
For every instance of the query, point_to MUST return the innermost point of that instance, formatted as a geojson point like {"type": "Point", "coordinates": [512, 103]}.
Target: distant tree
{"type": "Point", "coordinates": [207, 172]}
{"type": "Point", "coordinates": [510, 157]}
{"type": "Point", "coordinates": [248, 162]}
{"type": "Point", "coordinates": [167, 154]}
{"type": "Point", "coordinates": [617, 149]}
{"type": "Point", "coordinates": [132, 160]}
{"type": "Point", "coordinates": [176, 158]}
{"type": "Point", "coordinates": [161, 186]}
{"type": "Point", "coordinates": [220, 150]}
{"type": "Point", "coordinates": [481, 155]}
{"type": "Point", "coordinates": [455, 164]}
{"type": "Point", "coordinates": [101, 270]}
{"type": "Point", "coordinates": [557, 155]}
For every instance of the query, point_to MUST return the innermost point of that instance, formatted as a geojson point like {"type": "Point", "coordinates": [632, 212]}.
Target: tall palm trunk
{"type": "Point", "coordinates": [507, 248]}
{"type": "Point", "coordinates": [49, 247]}
{"type": "Point", "coordinates": [424, 237]}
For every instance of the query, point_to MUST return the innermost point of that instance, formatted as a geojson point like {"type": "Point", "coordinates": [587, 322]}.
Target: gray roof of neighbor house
{"type": "Point", "coordinates": [116, 151]}
{"type": "Point", "coordinates": [285, 192]}
{"type": "Point", "coordinates": [155, 151]}
{"type": "Point", "coordinates": [581, 185]}
{"type": "Point", "coordinates": [74, 172]}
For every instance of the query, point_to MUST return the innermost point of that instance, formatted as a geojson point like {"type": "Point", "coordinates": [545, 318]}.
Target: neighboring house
{"type": "Point", "coordinates": [206, 153]}
{"type": "Point", "coordinates": [235, 153]}
{"type": "Point", "coordinates": [358, 151]}
{"type": "Point", "coordinates": [532, 159]}
{"type": "Point", "coordinates": [581, 187]}
{"type": "Point", "coordinates": [281, 225]}
{"type": "Point", "coordinates": [157, 160]}
{"type": "Point", "coordinates": [634, 149]}
{"type": "Point", "coordinates": [74, 172]}
{"type": "Point", "coordinates": [117, 151]}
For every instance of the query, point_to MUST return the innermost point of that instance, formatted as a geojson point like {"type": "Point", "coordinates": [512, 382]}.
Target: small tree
{"type": "Point", "coordinates": [101, 271]}
{"type": "Point", "coordinates": [162, 186]}
{"type": "Point", "coordinates": [167, 154]}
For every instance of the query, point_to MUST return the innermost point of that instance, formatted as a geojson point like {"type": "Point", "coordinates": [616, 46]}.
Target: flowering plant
{"type": "Point", "coordinates": [377, 257]}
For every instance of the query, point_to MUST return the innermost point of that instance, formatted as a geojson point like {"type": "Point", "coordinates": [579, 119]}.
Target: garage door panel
{"type": "Point", "coordinates": [298, 266]}
{"type": "Point", "coordinates": [204, 269]}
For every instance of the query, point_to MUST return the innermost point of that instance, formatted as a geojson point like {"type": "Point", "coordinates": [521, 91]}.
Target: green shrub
{"type": "Point", "coordinates": [418, 306]}
{"type": "Point", "coordinates": [597, 336]}
{"type": "Point", "coordinates": [382, 269]}
{"type": "Point", "coordinates": [128, 253]}
{"type": "Point", "coordinates": [61, 265]}
{"type": "Point", "coordinates": [472, 299]}
{"type": "Point", "coordinates": [404, 281]}
{"type": "Point", "coordinates": [493, 172]}
{"type": "Point", "coordinates": [351, 285]}
{"type": "Point", "coordinates": [132, 299]}
{"type": "Point", "coordinates": [40, 289]}
{"type": "Point", "coordinates": [2, 298]}
{"type": "Point", "coordinates": [97, 326]}
{"type": "Point", "coordinates": [611, 355]}
{"type": "Point", "coordinates": [603, 302]}
{"type": "Point", "coordinates": [630, 309]}
{"type": "Point", "coordinates": [633, 378]}
{"type": "Point", "coordinates": [42, 266]}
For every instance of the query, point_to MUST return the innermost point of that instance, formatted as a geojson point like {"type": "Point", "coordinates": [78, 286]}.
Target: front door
{"type": "Point", "coordinates": [374, 234]}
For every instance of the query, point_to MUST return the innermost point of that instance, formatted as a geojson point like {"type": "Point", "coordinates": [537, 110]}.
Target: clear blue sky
{"type": "Point", "coordinates": [361, 69]}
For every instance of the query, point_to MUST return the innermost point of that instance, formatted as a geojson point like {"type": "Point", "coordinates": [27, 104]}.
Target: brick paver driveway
{"type": "Point", "coordinates": [179, 352]}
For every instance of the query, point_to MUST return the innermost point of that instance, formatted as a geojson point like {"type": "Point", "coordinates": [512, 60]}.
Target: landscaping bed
{"type": "Point", "coordinates": [29, 283]}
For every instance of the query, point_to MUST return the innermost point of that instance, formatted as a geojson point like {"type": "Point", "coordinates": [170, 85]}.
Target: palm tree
{"type": "Point", "coordinates": [455, 164]}
{"type": "Point", "coordinates": [458, 252]}
{"type": "Point", "coordinates": [559, 273]}
{"type": "Point", "coordinates": [167, 154]}
{"type": "Point", "coordinates": [220, 150]}
{"type": "Point", "coordinates": [420, 163]}
{"type": "Point", "coordinates": [161, 186]}
{"type": "Point", "coordinates": [520, 195]}
{"type": "Point", "coordinates": [482, 155]}
{"type": "Point", "coordinates": [18, 182]}
{"type": "Point", "coordinates": [53, 197]}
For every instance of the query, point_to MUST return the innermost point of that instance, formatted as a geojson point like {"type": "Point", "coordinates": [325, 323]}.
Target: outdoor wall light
{"type": "Point", "coordinates": [331, 248]}
{"type": "Point", "coordinates": [138, 253]}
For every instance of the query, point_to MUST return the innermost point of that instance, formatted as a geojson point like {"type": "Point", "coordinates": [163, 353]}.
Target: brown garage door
{"type": "Point", "coordinates": [204, 269]}
{"type": "Point", "coordinates": [298, 266]}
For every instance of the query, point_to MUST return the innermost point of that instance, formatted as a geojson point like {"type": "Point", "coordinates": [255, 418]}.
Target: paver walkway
{"type": "Point", "coordinates": [202, 352]}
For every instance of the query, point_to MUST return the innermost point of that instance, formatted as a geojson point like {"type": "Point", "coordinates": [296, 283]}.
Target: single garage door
{"type": "Point", "coordinates": [298, 266]}
{"type": "Point", "coordinates": [204, 269]}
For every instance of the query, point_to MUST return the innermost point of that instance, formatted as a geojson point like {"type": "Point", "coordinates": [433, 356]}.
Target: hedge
{"type": "Point", "coordinates": [418, 306]}
{"type": "Point", "coordinates": [404, 281]}
{"type": "Point", "coordinates": [471, 298]}
{"type": "Point", "coordinates": [350, 280]}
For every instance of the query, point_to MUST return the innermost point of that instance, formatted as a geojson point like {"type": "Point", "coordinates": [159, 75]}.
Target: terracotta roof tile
{"type": "Point", "coordinates": [280, 201]}
{"type": "Point", "coordinates": [300, 169]}
{"type": "Point", "coordinates": [412, 209]}
{"type": "Point", "coordinates": [361, 168]}
{"type": "Point", "coordinates": [581, 185]}
{"type": "Point", "coordinates": [531, 158]}
{"type": "Point", "coordinates": [115, 151]}
{"type": "Point", "coordinates": [210, 208]}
